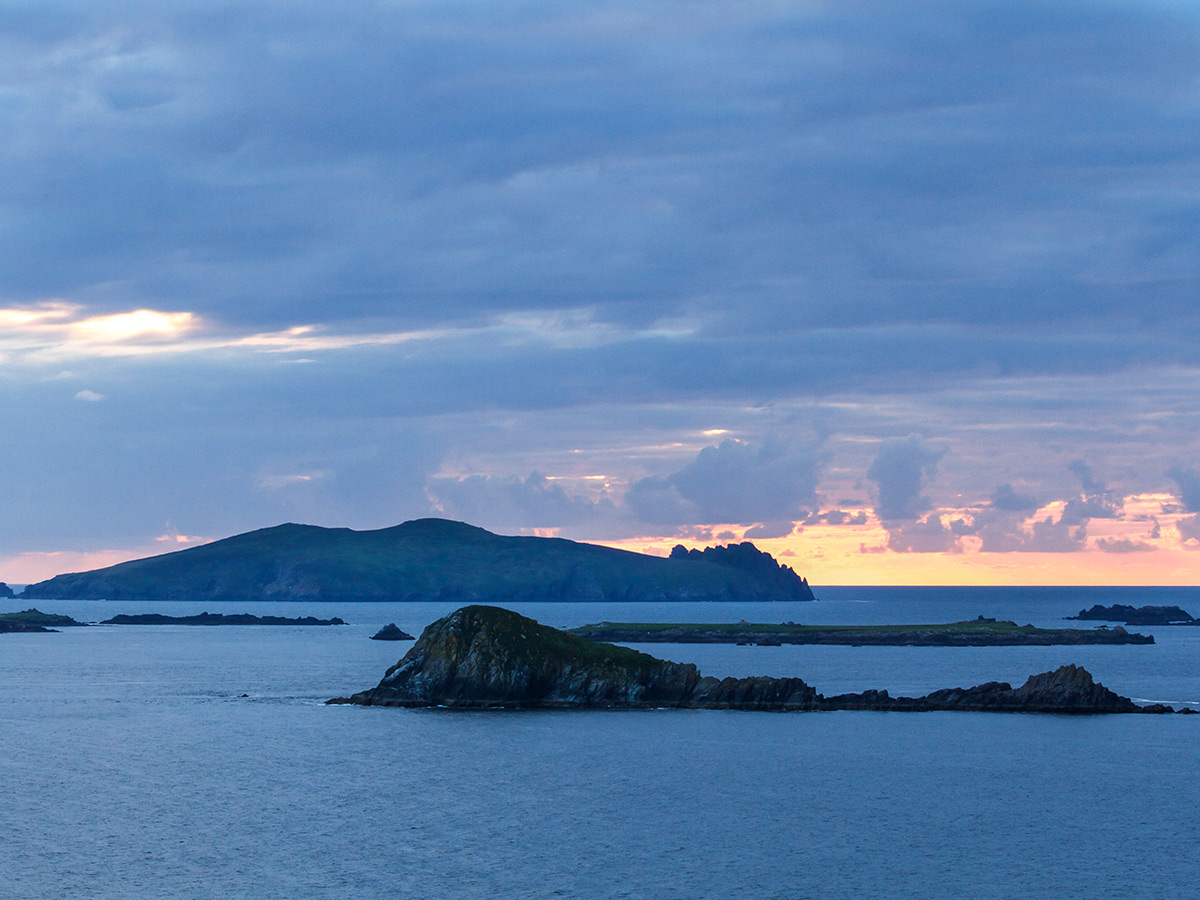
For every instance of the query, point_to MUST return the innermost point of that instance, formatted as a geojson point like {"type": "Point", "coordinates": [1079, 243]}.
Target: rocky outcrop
{"type": "Point", "coordinates": [5, 590]}
{"type": "Point", "coordinates": [1136, 615]}
{"type": "Point", "coordinates": [486, 657]}
{"type": "Point", "coordinates": [207, 618]}
{"type": "Point", "coordinates": [1068, 689]}
{"type": "Point", "coordinates": [34, 620]}
{"type": "Point", "coordinates": [483, 656]}
{"type": "Point", "coordinates": [392, 632]}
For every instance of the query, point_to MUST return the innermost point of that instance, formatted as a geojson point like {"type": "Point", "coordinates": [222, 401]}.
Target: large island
{"type": "Point", "coordinates": [979, 632]}
{"type": "Point", "coordinates": [486, 657]}
{"type": "Point", "coordinates": [428, 560]}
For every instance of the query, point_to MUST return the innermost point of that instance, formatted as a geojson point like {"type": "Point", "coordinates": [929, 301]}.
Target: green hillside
{"type": "Point", "coordinates": [425, 559]}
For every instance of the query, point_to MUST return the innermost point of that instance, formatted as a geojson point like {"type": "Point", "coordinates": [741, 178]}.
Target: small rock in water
{"type": "Point", "coordinates": [392, 632]}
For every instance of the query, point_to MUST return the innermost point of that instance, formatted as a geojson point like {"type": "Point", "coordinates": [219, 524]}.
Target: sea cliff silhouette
{"type": "Point", "coordinates": [424, 560]}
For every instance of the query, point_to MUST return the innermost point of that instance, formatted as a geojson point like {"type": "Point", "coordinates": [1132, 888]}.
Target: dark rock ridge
{"type": "Point", "coordinates": [1068, 689]}
{"type": "Point", "coordinates": [978, 633]}
{"type": "Point", "coordinates": [34, 620]}
{"type": "Point", "coordinates": [421, 560]}
{"type": "Point", "coordinates": [5, 590]}
{"type": "Point", "coordinates": [392, 632]}
{"type": "Point", "coordinates": [1136, 615]}
{"type": "Point", "coordinates": [487, 657]}
{"type": "Point", "coordinates": [745, 557]}
{"type": "Point", "coordinates": [206, 618]}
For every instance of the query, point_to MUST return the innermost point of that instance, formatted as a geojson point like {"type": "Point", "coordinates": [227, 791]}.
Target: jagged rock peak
{"type": "Point", "coordinates": [1071, 686]}
{"type": "Point", "coordinates": [746, 557]}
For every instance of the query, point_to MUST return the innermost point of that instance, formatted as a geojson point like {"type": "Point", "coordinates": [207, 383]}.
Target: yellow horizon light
{"type": "Point", "coordinates": [137, 324]}
{"type": "Point", "coordinates": [15, 317]}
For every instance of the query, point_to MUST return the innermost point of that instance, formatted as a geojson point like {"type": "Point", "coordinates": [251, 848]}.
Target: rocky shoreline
{"type": "Point", "coordinates": [487, 657]}
{"type": "Point", "coordinates": [206, 618]}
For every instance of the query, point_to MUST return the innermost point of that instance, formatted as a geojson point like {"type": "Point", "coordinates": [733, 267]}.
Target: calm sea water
{"type": "Point", "coordinates": [134, 767]}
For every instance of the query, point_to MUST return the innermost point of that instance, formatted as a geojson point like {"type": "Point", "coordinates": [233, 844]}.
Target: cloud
{"type": "Point", "coordinates": [511, 503]}
{"type": "Point", "coordinates": [1123, 545]}
{"type": "Point", "coordinates": [770, 530]}
{"type": "Point", "coordinates": [899, 471]}
{"type": "Point", "coordinates": [1084, 473]}
{"type": "Point", "coordinates": [1040, 536]}
{"type": "Point", "coordinates": [925, 536]}
{"type": "Point", "coordinates": [1097, 502]}
{"type": "Point", "coordinates": [1189, 528]}
{"type": "Point", "coordinates": [733, 482]}
{"type": "Point", "coordinates": [837, 517]}
{"type": "Point", "coordinates": [89, 396]}
{"type": "Point", "coordinates": [1009, 500]}
{"type": "Point", "coordinates": [1188, 480]}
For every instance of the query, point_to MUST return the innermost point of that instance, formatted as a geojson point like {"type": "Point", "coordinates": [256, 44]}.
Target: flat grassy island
{"type": "Point", "coordinates": [979, 632]}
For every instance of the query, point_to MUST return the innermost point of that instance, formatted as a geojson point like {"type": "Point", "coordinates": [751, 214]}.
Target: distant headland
{"type": "Point", "coordinates": [486, 657]}
{"type": "Point", "coordinates": [428, 560]}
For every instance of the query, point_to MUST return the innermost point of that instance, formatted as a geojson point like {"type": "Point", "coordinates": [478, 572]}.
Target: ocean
{"type": "Point", "coordinates": [186, 762]}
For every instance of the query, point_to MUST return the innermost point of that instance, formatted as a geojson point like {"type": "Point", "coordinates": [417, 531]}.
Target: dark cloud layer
{"type": "Point", "coordinates": [614, 228]}
{"type": "Point", "coordinates": [982, 166]}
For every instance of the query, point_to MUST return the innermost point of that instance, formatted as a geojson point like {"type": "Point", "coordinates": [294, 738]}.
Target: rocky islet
{"type": "Point", "coordinates": [1136, 615]}
{"type": "Point", "coordinates": [392, 632]}
{"type": "Point", "coordinates": [487, 657]}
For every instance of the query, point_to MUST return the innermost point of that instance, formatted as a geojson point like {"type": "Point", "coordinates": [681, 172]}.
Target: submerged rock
{"type": "Point", "coordinates": [392, 632]}
{"type": "Point", "coordinates": [483, 656]}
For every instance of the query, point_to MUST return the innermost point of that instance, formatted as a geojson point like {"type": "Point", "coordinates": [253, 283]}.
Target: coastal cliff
{"type": "Point", "coordinates": [487, 657]}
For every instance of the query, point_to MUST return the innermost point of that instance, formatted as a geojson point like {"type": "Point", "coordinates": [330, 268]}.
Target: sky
{"type": "Point", "coordinates": [904, 293]}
